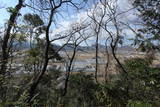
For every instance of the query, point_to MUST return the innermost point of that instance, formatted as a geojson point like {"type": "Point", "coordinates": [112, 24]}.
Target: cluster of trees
{"type": "Point", "coordinates": [137, 83]}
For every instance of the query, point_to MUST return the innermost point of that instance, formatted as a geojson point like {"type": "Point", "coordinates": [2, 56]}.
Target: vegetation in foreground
{"type": "Point", "coordinates": [136, 85]}
{"type": "Point", "coordinates": [139, 88]}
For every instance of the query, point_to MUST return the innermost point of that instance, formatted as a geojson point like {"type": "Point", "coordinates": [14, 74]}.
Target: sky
{"type": "Point", "coordinates": [67, 19]}
{"type": "Point", "coordinates": [3, 13]}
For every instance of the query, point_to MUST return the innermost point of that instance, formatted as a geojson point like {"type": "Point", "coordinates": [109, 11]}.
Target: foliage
{"type": "Point", "coordinates": [137, 64]}
{"type": "Point", "coordinates": [138, 104]}
{"type": "Point", "coordinates": [140, 84]}
{"type": "Point", "coordinates": [47, 94]}
{"type": "Point", "coordinates": [139, 87]}
{"type": "Point", "coordinates": [33, 60]}
{"type": "Point", "coordinates": [33, 19]}
{"type": "Point", "coordinates": [149, 35]}
{"type": "Point", "coordinates": [11, 10]}
{"type": "Point", "coordinates": [81, 91]}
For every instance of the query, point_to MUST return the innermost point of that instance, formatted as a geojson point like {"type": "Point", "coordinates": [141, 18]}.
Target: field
{"type": "Point", "coordinates": [85, 61]}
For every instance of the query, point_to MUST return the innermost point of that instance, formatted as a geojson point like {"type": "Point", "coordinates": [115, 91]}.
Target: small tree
{"type": "Point", "coordinates": [149, 35]}
{"type": "Point", "coordinates": [14, 13]}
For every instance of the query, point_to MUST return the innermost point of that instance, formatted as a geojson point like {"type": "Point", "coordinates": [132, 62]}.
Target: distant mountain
{"type": "Point", "coordinates": [70, 47]}
{"type": "Point", "coordinates": [21, 46]}
{"type": "Point", "coordinates": [126, 48]}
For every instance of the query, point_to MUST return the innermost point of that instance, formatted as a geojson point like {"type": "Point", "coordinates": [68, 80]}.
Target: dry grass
{"type": "Point", "coordinates": [112, 69]}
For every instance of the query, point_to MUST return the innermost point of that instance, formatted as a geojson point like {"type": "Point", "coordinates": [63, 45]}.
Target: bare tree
{"type": "Point", "coordinates": [109, 24]}
{"type": "Point", "coordinates": [115, 37]}
{"type": "Point", "coordinates": [52, 7]}
{"type": "Point", "coordinates": [76, 42]}
{"type": "Point", "coordinates": [98, 21]}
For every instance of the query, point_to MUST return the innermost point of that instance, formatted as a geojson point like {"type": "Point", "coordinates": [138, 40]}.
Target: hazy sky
{"type": "Point", "coordinates": [3, 13]}
{"type": "Point", "coordinates": [63, 22]}
{"type": "Point", "coordinates": [123, 4]}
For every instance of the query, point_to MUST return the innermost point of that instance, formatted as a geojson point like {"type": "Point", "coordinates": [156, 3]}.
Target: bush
{"type": "Point", "coordinates": [138, 104]}
{"type": "Point", "coordinates": [141, 83]}
{"type": "Point", "coordinates": [81, 91]}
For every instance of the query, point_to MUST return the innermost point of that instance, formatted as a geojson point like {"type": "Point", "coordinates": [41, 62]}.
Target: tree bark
{"type": "Point", "coordinates": [11, 22]}
{"type": "Point", "coordinates": [46, 60]}
{"type": "Point", "coordinates": [6, 48]}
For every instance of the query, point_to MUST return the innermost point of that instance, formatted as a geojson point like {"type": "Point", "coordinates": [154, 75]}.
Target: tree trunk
{"type": "Point", "coordinates": [46, 60]}
{"type": "Point", "coordinates": [11, 22]}
{"type": "Point", "coordinates": [5, 48]}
